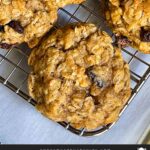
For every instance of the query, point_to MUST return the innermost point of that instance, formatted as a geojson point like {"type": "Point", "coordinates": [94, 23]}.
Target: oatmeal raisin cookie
{"type": "Point", "coordinates": [78, 77]}
{"type": "Point", "coordinates": [130, 20]}
{"type": "Point", "coordinates": [27, 20]}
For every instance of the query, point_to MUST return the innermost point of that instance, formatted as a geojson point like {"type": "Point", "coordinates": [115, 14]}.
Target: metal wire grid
{"type": "Point", "coordinates": [14, 69]}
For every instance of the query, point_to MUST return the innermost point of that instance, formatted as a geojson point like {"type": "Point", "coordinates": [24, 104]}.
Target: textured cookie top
{"type": "Point", "coordinates": [131, 19]}
{"type": "Point", "coordinates": [78, 77]}
{"type": "Point", "coordinates": [27, 20]}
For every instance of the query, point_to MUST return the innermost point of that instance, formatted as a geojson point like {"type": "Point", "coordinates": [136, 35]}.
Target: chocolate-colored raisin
{"type": "Point", "coordinates": [1, 28]}
{"type": "Point", "coordinates": [16, 26]}
{"type": "Point", "coordinates": [96, 102]}
{"type": "Point", "coordinates": [145, 35]}
{"type": "Point", "coordinates": [122, 41]}
{"type": "Point", "coordinates": [94, 78]}
{"type": "Point", "coordinates": [5, 46]}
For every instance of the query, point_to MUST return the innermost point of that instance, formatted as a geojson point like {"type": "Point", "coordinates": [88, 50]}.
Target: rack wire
{"type": "Point", "coordinates": [14, 69]}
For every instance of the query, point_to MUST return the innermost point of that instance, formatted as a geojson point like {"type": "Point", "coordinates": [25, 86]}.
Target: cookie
{"type": "Point", "coordinates": [27, 21]}
{"type": "Point", "coordinates": [79, 77]}
{"type": "Point", "coordinates": [130, 21]}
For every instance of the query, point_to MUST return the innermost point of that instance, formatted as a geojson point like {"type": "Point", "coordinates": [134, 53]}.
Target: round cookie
{"type": "Point", "coordinates": [130, 21]}
{"type": "Point", "coordinates": [79, 77]}
{"type": "Point", "coordinates": [27, 20]}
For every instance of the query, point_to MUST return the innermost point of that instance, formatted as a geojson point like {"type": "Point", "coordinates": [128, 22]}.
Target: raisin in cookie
{"type": "Point", "coordinates": [78, 77]}
{"type": "Point", "coordinates": [27, 20]}
{"type": "Point", "coordinates": [130, 20]}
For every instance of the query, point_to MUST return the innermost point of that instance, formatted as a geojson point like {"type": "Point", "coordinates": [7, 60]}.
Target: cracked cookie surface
{"type": "Point", "coordinates": [78, 77]}
{"type": "Point", "coordinates": [130, 19]}
{"type": "Point", "coordinates": [28, 20]}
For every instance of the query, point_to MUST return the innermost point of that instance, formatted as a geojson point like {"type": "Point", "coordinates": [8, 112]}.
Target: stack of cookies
{"type": "Point", "coordinates": [77, 75]}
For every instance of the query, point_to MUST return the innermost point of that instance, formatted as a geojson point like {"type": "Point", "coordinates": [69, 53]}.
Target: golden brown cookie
{"type": "Point", "coordinates": [130, 21]}
{"type": "Point", "coordinates": [27, 20]}
{"type": "Point", "coordinates": [78, 77]}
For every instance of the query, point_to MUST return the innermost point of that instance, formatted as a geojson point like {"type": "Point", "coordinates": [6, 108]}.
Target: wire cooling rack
{"type": "Point", "coordinates": [14, 69]}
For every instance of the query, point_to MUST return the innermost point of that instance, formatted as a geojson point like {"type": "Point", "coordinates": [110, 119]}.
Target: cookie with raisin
{"type": "Point", "coordinates": [130, 21]}
{"type": "Point", "coordinates": [79, 77]}
{"type": "Point", "coordinates": [28, 20]}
